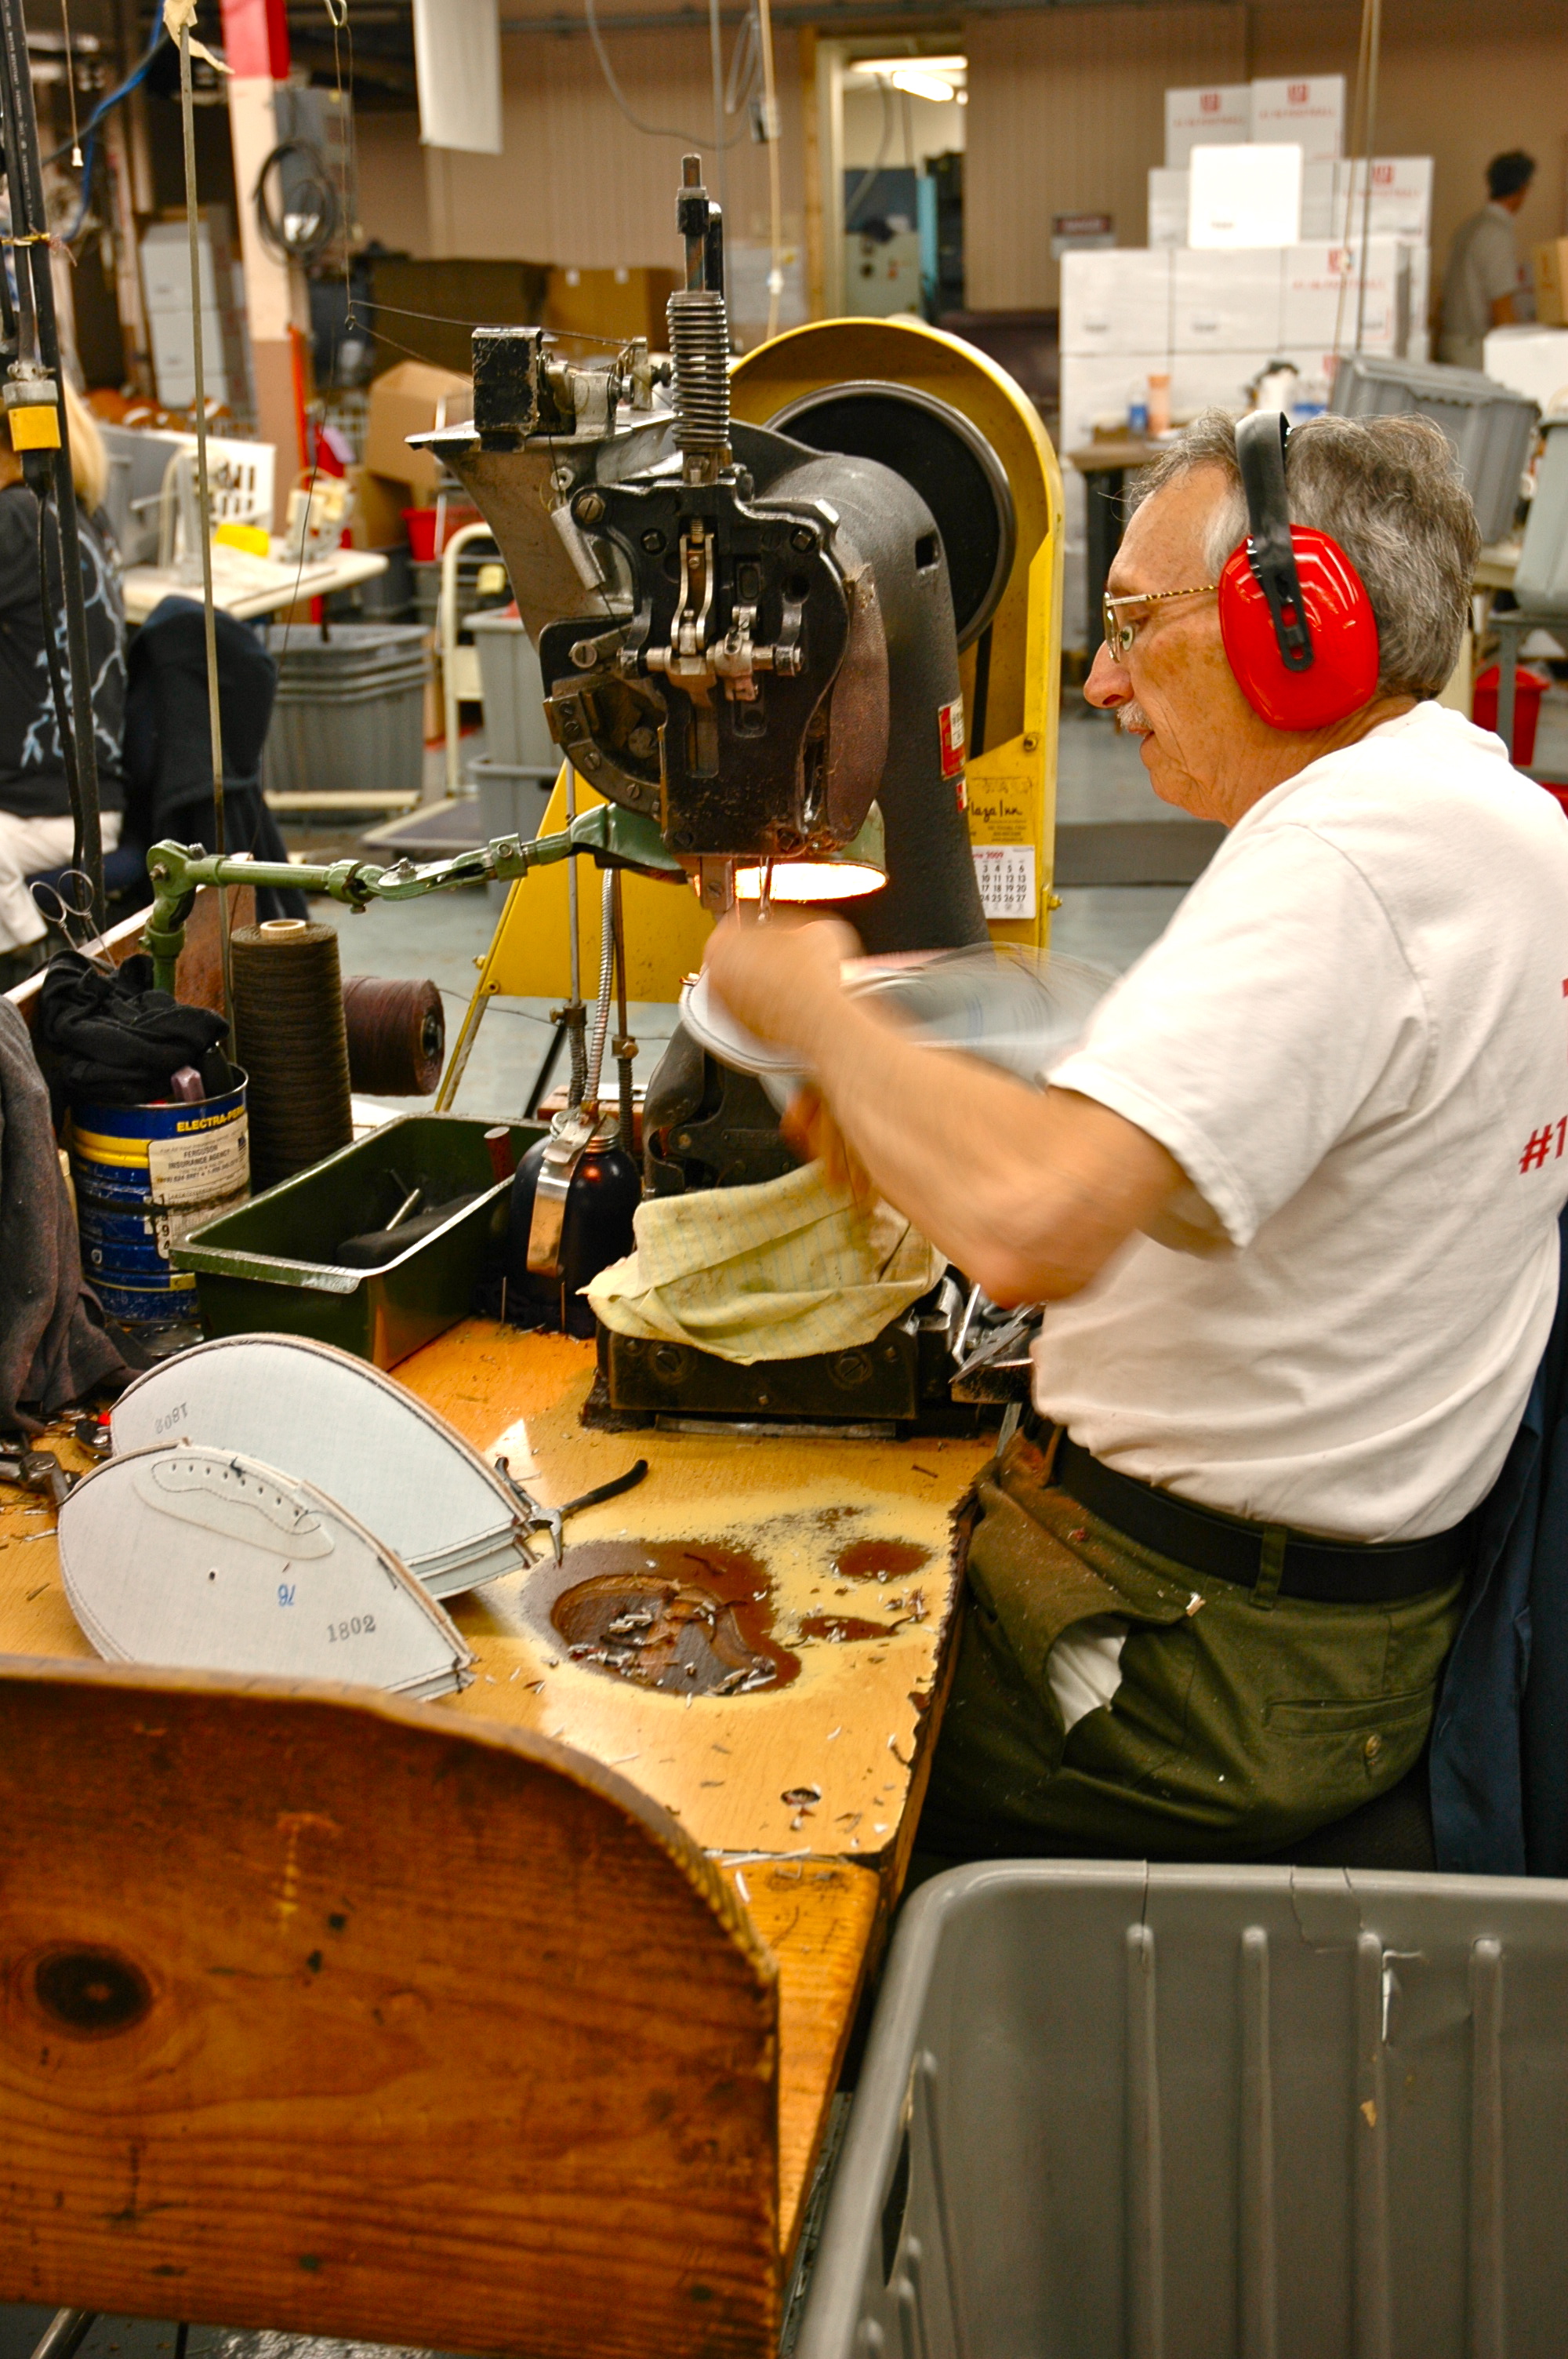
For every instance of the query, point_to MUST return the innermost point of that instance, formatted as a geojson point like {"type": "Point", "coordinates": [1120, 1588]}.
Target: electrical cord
{"type": "Point", "coordinates": [114, 98]}
{"type": "Point", "coordinates": [321, 224]}
{"type": "Point", "coordinates": [650, 130]}
{"type": "Point", "coordinates": [884, 89]}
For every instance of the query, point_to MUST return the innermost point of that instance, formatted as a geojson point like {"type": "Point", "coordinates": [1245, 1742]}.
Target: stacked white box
{"type": "Point", "coordinates": [1309, 111]}
{"type": "Point", "coordinates": [1117, 300]}
{"type": "Point", "coordinates": [1319, 218]}
{"type": "Point", "coordinates": [1096, 389]}
{"type": "Point", "coordinates": [1168, 205]}
{"type": "Point", "coordinates": [1216, 381]}
{"type": "Point", "coordinates": [1401, 198]}
{"type": "Point", "coordinates": [166, 284]}
{"type": "Point", "coordinates": [166, 268]}
{"type": "Point", "coordinates": [1226, 300]}
{"type": "Point", "coordinates": [1532, 360]}
{"type": "Point", "coordinates": [1323, 306]}
{"type": "Point", "coordinates": [1245, 195]}
{"type": "Point", "coordinates": [1214, 115]}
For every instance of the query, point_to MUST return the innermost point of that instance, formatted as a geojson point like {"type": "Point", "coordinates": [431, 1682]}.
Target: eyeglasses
{"type": "Point", "coordinates": [1119, 635]}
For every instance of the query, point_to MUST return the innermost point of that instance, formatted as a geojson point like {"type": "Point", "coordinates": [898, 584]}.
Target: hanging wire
{"type": "Point", "coordinates": [651, 130]}
{"type": "Point", "coordinates": [122, 91]}
{"type": "Point", "coordinates": [204, 498]}
{"type": "Point", "coordinates": [1362, 119]}
{"type": "Point", "coordinates": [885, 93]}
{"type": "Point", "coordinates": [771, 134]}
{"type": "Point", "coordinates": [70, 81]}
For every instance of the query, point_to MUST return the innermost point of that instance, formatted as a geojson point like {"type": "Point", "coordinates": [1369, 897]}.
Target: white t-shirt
{"type": "Point", "coordinates": [1353, 1037]}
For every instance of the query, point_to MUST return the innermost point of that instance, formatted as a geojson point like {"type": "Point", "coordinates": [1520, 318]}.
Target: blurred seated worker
{"type": "Point", "coordinates": [36, 827]}
{"type": "Point", "coordinates": [1291, 1204]}
{"type": "Point", "coordinates": [1483, 286]}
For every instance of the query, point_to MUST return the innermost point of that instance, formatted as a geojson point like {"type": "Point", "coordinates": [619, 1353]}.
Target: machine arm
{"type": "Point", "coordinates": [615, 838]}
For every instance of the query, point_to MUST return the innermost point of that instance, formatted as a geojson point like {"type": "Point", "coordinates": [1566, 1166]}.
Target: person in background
{"type": "Point", "coordinates": [36, 826]}
{"type": "Point", "coordinates": [1481, 289]}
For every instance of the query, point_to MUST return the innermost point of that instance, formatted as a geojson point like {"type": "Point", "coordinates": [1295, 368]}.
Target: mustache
{"type": "Point", "coordinates": [1133, 717]}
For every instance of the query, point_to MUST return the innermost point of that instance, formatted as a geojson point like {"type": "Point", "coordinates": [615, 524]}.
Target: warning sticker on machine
{"type": "Point", "coordinates": [950, 728]}
{"type": "Point", "coordinates": [199, 1169]}
{"type": "Point", "coordinates": [1005, 873]}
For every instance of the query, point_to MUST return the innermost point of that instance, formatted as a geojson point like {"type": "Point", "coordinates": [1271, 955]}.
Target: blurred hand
{"type": "Point", "coordinates": [808, 1125]}
{"type": "Point", "coordinates": [780, 980]}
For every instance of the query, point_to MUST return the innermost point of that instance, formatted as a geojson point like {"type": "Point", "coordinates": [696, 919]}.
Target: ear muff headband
{"type": "Point", "coordinates": [1298, 626]}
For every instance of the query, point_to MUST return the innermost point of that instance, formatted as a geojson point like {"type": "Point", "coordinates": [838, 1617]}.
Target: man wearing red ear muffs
{"type": "Point", "coordinates": [1292, 1204]}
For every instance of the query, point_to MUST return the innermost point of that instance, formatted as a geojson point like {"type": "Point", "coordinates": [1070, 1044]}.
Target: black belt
{"type": "Point", "coordinates": [1333, 1572]}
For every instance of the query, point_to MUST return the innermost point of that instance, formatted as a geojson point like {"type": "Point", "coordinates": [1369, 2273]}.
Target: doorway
{"type": "Point", "coordinates": [891, 137]}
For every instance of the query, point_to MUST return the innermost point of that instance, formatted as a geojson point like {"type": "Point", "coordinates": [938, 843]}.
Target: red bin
{"type": "Point", "coordinates": [1528, 690]}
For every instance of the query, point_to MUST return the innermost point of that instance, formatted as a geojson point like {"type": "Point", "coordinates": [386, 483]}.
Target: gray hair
{"type": "Point", "coordinates": [1389, 490]}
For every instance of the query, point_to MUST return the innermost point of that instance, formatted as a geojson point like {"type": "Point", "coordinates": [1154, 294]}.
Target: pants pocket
{"type": "Point", "coordinates": [1309, 1719]}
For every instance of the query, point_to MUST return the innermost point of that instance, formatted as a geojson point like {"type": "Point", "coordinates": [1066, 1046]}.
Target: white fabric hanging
{"type": "Point", "coordinates": [456, 62]}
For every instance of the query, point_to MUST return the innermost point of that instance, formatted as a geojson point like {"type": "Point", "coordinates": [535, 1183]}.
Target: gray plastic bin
{"type": "Point", "coordinates": [350, 708]}
{"type": "Point", "coordinates": [1489, 425]}
{"type": "Point", "coordinates": [512, 691]}
{"type": "Point", "coordinates": [512, 799]}
{"type": "Point", "coordinates": [1207, 2114]}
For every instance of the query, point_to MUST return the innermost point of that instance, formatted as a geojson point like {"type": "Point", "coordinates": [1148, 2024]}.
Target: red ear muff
{"type": "Point", "coordinates": [1342, 673]}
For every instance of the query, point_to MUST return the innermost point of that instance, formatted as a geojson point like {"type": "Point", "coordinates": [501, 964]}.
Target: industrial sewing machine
{"type": "Point", "coordinates": [759, 642]}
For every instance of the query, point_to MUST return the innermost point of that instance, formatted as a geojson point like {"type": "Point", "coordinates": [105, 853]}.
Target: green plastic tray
{"type": "Point", "coordinates": [265, 1267]}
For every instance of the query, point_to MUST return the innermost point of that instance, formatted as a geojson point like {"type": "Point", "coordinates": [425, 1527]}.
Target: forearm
{"type": "Point", "coordinates": [1029, 1193]}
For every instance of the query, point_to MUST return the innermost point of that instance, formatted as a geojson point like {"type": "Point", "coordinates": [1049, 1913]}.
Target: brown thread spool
{"type": "Point", "coordinates": [290, 1036]}
{"type": "Point", "coordinates": [397, 1035]}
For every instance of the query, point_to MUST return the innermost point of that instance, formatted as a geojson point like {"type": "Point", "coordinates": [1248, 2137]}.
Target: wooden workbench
{"type": "Point", "coordinates": [804, 1794]}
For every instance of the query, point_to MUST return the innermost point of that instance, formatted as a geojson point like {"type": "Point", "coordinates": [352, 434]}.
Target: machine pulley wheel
{"type": "Point", "coordinates": [944, 456]}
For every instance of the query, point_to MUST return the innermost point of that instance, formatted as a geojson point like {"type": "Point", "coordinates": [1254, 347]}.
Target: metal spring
{"type": "Point", "coordinates": [699, 341]}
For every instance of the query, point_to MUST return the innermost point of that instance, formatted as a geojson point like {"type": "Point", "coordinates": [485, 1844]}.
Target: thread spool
{"type": "Point", "coordinates": [289, 1036]}
{"type": "Point", "coordinates": [396, 1033]}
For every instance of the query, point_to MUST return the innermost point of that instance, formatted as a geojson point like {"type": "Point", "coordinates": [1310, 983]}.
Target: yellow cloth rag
{"type": "Point", "coordinates": [774, 1272]}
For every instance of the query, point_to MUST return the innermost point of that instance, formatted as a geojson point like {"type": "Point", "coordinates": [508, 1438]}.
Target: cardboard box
{"type": "Point", "coordinates": [613, 305]}
{"type": "Point", "coordinates": [1246, 195]}
{"type": "Point", "coordinates": [1213, 381]}
{"type": "Point", "coordinates": [1319, 218]}
{"type": "Point", "coordinates": [172, 335]}
{"type": "Point", "coordinates": [1116, 300]}
{"type": "Point", "coordinates": [1225, 302]}
{"type": "Point", "coordinates": [412, 399]}
{"type": "Point", "coordinates": [377, 521]}
{"type": "Point", "coordinates": [166, 263]}
{"type": "Point", "coordinates": [1168, 192]}
{"type": "Point", "coordinates": [1097, 391]}
{"type": "Point", "coordinates": [1532, 360]}
{"type": "Point", "coordinates": [1219, 114]}
{"type": "Point", "coordinates": [1313, 315]}
{"type": "Point", "coordinates": [1401, 198]}
{"type": "Point", "coordinates": [1311, 111]}
{"type": "Point", "coordinates": [1551, 268]}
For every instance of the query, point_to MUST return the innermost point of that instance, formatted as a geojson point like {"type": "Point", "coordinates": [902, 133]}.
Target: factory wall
{"type": "Point", "coordinates": [1067, 113]}
{"type": "Point", "coordinates": [1065, 110]}
{"type": "Point", "coordinates": [577, 185]}
{"type": "Point", "coordinates": [390, 169]}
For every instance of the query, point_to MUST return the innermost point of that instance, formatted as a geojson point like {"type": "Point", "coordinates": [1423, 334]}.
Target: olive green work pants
{"type": "Point", "coordinates": [1244, 1720]}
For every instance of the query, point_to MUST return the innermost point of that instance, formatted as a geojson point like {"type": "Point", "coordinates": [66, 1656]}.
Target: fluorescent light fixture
{"type": "Point", "coordinates": [886, 66]}
{"type": "Point", "coordinates": [925, 86]}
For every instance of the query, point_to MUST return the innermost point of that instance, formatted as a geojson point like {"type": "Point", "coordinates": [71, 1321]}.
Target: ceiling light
{"type": "Point", "coordinates": [925, 86]}
{"type": "Point", "coordinates": [886, 66]}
